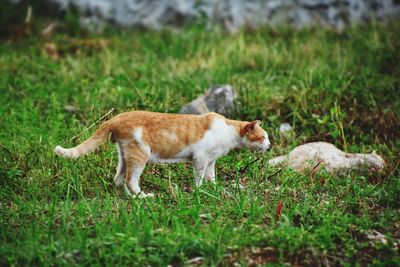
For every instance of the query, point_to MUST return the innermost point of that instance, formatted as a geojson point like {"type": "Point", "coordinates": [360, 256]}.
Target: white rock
{"type": "Point", "coordinates": [312, 157]}
{"type": "Point", "coordinates": [285, 127]}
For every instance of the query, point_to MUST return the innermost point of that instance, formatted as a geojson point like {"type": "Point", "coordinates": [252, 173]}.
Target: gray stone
{"type": "Point", "coordinates": [313, 3]}
{"type": "Point", "coordinates": [220, 99]}
{"type": "Point", "coordinates": [71, 109]}
{"type": "Point", "coordinates": [231, 14]}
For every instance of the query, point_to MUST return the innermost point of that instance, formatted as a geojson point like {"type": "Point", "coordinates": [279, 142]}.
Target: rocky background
{"type": "Point", "coordinates": [231, 14]}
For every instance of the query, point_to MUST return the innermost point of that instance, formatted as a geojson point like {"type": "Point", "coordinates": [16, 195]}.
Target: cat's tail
{"type": "Point", "coordinates": [278, 160]}
{"type": "Point", "coordinates": [97, 139]}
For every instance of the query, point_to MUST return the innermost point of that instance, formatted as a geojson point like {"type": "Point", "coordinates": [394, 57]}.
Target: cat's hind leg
{"type": "Point", "coordinates": [135, 161]}
{"type": "Point", "coordinates": [210, 172]}
{"type": "Point", "coordinates": [132, 184]}
{"type": "Point", "coordinates": [119, 178]}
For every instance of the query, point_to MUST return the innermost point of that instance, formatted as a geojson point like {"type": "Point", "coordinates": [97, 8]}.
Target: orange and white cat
{"type": "Point", "coordinates": [148, 137]}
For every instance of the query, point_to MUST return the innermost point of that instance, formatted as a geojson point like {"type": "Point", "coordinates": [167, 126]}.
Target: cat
{"type": "Point", "coordinates": [143, 137]}
{"type": "Point", "coordinates": [317, 155]}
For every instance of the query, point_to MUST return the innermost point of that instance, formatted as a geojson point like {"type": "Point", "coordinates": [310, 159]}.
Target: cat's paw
{"type": "Point", "coordinates": [210, 179]}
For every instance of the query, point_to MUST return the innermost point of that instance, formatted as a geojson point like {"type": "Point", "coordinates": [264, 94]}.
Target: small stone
{"type": "Point", "coordinates": [71, 109]}
{"type": "Point", "coordinates": [285, 127]}
{"type": "Point", "coordinates": [237, 185]}
{"type": "Point", "coordinates": [220, 99]}
{"type": "Point", "coordinates": [376, 236]}
{"type": "Point", "coordinates": [49, 30]}
{"type": "Point", "coordinates": [195, 261]}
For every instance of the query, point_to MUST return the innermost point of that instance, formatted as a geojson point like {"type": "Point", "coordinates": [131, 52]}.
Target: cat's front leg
{"type": "Point", "coordinates": [199, 169]}
{"type": "Point", "coordinates": [210, 172]}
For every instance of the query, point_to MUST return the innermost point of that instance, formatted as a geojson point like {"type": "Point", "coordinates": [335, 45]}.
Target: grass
{"type": "Point", "coordinates": [338, 87]}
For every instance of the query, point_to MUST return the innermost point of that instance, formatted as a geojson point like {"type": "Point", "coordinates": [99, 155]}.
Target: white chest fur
{"type": "Point", "coordinates": [217, 141]}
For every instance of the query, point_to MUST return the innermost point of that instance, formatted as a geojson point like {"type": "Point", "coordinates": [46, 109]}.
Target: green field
{"type": "Point", "coordinates": [339, 87]}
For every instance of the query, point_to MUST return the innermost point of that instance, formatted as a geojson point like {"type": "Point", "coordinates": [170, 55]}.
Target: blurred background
{"type": "Point", "coordinates": [231, 15]}
{"type": "Point", "coordinates": [311, 63]}
{"type": "Point", "coordinates": [310, 70]}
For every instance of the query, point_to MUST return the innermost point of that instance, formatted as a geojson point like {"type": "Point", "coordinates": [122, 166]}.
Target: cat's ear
{"type": "Point", "coordinates": [250, 127]}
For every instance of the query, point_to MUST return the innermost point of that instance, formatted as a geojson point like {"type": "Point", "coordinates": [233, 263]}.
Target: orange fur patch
{"type": "Point", "coordinates": [166, 134]}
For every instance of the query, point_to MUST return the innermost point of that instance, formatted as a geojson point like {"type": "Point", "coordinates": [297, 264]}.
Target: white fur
{"type": "Point", "coordinates": [119, 176]}
{"type": "Point", "coordinates": [155, 158]}
{"type": "Point", "coordinates": [66, 153]}
{"type": "Point", "coordinates": [210, 172]}
{"type": "Point", "coordinates": [217, 141]}
{"type": "Point", "coordinates": [134, 181]}
{"type": "Point", "coordinates": [137, 136]}
{"type": "Point", "coordinates": [266, 144]}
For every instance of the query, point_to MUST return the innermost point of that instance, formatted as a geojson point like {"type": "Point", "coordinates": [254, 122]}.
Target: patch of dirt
{"type": "Point", "coordinates": [55, 51]}
{"type": "Point", "coordinates": [385, 124]}
{"type": "Point", "coordinates": [269, 255]}
{"type": "Point", "coordinates": [252, 256]}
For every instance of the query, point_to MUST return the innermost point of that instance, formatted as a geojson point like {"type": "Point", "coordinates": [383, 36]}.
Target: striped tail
{"type": "Point", "coordinates": [97, 139]}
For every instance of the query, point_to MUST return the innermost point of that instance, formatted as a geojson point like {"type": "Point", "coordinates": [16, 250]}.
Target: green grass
{"type": "Point", "coordinates": [339, 87]}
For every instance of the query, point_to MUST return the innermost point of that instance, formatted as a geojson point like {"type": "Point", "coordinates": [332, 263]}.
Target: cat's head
{"type": "Point", "coordinates": [254, 137]}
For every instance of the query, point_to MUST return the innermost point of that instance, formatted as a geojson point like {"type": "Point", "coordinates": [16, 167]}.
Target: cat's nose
{"type": "Point", "coordinates": [267, 145]}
